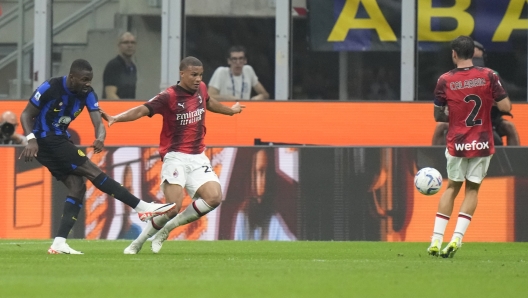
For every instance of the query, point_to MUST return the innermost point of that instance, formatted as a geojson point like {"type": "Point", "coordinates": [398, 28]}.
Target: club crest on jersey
{"type": "Point", "coordinates": [200, 97]}
{"type": "Point", "coordinates": [182, 105]}
{"type": "Point", "coordinates": [175, 174]}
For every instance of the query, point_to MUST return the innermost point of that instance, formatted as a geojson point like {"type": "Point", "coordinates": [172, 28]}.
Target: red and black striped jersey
{"type": "Point", "coordinates": [183, 119]}
{"type": "Point", "coordinates": [469, 94]}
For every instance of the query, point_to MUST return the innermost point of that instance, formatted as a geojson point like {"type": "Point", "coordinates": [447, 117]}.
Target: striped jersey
{"type": "Point", "coordinates": [183, 115]}
{"type": "Point", "coordinates": [469, 93]}
{"type": "Point", "coordinates": [59, 107]}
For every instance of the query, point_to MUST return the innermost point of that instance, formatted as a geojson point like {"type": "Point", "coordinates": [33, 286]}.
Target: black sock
{"type": "Point", "coordinates": [72, 206]}
{"type": "Point", "coordinates": [113, 188]}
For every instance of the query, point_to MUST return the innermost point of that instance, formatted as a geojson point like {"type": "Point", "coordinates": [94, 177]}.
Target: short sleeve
{"type": "Point", "coordinates": [216, 79]}
{"type": "Point", "coordinates": [252, 76]}
{"type": "Point", "coordinates": [40, 96]}
{"type": "Point", "coordinates": [497, 90]}
{"type": "Point", "coordinates": [111, 74]}
{"type": "Point", "coordinates": [92, 103]}
{"type": "Point", "coordinates": [203, 91]}
{"type": "Point", "coordinates": [439, 93]}
{"type": "Point", "coordinates": [158, 104]}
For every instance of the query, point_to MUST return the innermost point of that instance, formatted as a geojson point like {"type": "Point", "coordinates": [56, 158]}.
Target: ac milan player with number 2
{"type": "Point", "coordinates": [469, 92]}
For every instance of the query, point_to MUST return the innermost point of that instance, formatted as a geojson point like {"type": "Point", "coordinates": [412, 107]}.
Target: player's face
{"type": "Point", "coordinates": [191, 77]}
{"type": "Point", "coordinates": [80, 82]}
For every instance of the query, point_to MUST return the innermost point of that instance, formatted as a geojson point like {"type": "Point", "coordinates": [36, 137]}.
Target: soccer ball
{"type": "Point", "coordinates": [428, 181]}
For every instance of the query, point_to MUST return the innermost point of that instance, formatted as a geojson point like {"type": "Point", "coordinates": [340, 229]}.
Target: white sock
{"type": "Point", "coordinates": [461, 227]}
{"type": "Point", "coordinates": [147, 232]}
{"type": "Point", "coordinates": [58, 241]}
{"type": "Point", "coordinates": [440, 225]}
{"type": "Point", "coordinates": [142, 206]}
{"type": "Point", "coordinates": [159, 221]}
{"type": "Point", "coordinates": [195, 210]}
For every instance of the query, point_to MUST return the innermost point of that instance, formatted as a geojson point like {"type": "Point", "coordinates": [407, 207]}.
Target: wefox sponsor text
{"type": "Point", "coordinates": [472, 146]}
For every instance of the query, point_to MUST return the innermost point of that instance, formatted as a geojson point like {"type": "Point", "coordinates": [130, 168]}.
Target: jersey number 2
{"type": "Point", "coordinates": [470, 120]}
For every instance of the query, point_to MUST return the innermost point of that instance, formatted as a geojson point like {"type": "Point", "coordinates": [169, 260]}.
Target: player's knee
{"type": "Point", "coordinates": [214, 198]}
{"type": "Point", "coordinates": [78, 191]}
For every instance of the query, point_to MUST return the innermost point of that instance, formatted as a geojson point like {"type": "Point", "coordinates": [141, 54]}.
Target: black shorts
{"type": "Point", "coordinates": [59, 155]}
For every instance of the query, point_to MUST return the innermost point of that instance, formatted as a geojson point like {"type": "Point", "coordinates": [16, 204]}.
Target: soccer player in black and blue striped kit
{"type": "Point", "coordinates": [52, 107]}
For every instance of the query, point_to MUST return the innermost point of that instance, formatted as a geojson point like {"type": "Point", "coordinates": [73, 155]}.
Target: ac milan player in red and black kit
{"type": "Point", "coordinates": [181, 148]}
{"type": "Point", "coordinates": [469, 92]}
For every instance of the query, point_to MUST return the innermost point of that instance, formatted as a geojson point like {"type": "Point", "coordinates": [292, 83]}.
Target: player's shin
{"type": "Point", "coordinates": [197, 209]}
{"type": "Point", "coordinates": [72, 207]}
{"type": "Point", "coordinates": [440, 225]}
{"type": "Point", "coordinates": [113, 188]}
{"type": "Point", "coordinates": [463, 222]}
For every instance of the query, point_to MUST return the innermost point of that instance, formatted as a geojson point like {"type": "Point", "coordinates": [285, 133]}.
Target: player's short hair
{"type": "Point", "coordinates": [190, 61]}
{"type": "Point", "coordinates": [80, 65]}
{"type": "Point", "coordinates": [463, 46]}
{"type": "Point", "coordinates": [236, 49]}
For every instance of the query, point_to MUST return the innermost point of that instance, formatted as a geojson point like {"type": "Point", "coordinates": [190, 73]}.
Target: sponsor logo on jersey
{"type": "Point", "coordinates": [64, 120]}
{"type": "Point", "coordinates": [37, 96]}
{"type": "Point", "coordinates": [77, 112]}
{"type": "Point", "coordinates": [181, 104]}
{"type": "Point", "coordinates": [80, 152]}
{"type": "Point", "coordinates": [190, 117]}
{"type": "Point", "coordinates": [472, 146]}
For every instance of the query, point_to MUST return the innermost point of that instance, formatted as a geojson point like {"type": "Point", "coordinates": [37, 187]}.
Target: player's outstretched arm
{"type": "Point", "coordinates": [130, 115]}
{"type": "Point", "coordinates": [215, 106]}
{"type": "Point", "coordinates": [100, 131]}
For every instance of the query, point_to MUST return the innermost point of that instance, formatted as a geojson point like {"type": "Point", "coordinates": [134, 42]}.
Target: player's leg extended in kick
{"type": "Point", "coordinates": [108, 185]}
{"type": "Point", "coordinates": [72, 206]}
{"type": "Point", "coordinates": [209, 196]}
{"type": "Point", "coordinates": [445, 208]}
{"type": "Point", "coordinates": [173, 194]}
{"type": "Point", "coordinates": [467, 209]}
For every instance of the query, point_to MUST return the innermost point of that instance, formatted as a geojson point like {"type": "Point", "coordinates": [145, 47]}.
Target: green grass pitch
{"type": "Point", "coordinates": [262, 269]}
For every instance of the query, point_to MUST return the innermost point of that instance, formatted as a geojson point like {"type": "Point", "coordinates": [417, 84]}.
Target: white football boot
{"type": "Point", "coordinates": [63, 248]}
{"type": "Point", "coordinates": [155, 210]}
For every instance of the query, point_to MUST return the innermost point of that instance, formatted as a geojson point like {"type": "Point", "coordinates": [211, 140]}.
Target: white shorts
{"type": "Point", "coordinates": [461, 168]}
{"type": "Point", "coordinates": [188, 170]}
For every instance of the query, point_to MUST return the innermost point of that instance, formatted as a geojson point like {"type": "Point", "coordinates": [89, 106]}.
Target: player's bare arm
{"type": "Point", "coordinates": [504, 105]}
{"type": "Point", "coordinates": [215, 106]}
{"type": "Point", "coordinates": [130, 115]}
{"type": "Point", "coordinates": [216, 93]}
{"type": "Point", "coordinates": [262, 94]}
{"type": "Point", "coordinates": [27, 119]}
{"type": "Point", "coordinates": [440, 114]}
{"type": "Point", "coordinates": [100, 131]}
